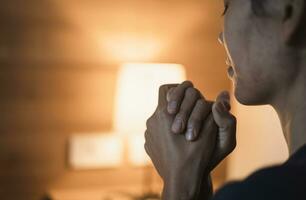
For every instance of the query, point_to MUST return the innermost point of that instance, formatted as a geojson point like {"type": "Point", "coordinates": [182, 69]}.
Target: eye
{"type": "Point", "coordinates": [225, 9]}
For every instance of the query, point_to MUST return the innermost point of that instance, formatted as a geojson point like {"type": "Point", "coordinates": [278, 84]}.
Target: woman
{"type": "Point", "coordinates": [188, 136]}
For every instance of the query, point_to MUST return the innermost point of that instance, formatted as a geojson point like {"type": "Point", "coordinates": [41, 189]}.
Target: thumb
{"type": "Point", "coordinates": [226, 122]}
{"type": "Point", "coordinates": [220, 109]}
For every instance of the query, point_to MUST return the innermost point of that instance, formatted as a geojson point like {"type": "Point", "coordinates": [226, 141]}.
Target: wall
{"type": "Point", "coordinates": [58, 74]}
{"type": "Point", "coordinates": [260, 141]}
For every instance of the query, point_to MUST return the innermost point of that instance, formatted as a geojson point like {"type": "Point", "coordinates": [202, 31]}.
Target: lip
{"type": "Point", "coordinates": [230, 71]}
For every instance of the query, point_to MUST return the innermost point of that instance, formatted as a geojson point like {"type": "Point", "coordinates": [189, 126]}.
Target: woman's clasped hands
{"type": "Point", "coordinates": [187, 137]}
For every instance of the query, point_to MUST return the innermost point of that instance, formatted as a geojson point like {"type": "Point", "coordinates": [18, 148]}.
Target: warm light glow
{"type": "Point", "coordinates": [131, 47]}
{"type": "Point", "coordinates": [137, 155]}
{"type": "Point", "coordinates": [137, 93]}
{"type": "Point", "coordinates": [90, 151]}
{"type": "Point", "coordinates": [136, 100]}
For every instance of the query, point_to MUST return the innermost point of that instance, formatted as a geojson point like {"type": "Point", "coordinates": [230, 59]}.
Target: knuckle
{"type": "Point", "coordinates": [161, 112]}
{"type": "Point", "coordinates": [163, 88]}
{"type": "Point", "coordinates": [149, 122]}
{"type": "Point", "coordinates": [146, 147]}
{"type": "Point", "coordinates": [146, 135]}
{"type": "Point", "coordinates": [181, 116]}
{"type": "Point", "coordinates": [192, 92]}
{"type": "Point", "coordinates": [187, 83]}
{"type": "Point", "coordinates": [194, 122]}
{"type": "Point", "coordinates": [183, 111]}
{"type": "Point", "coordinates": [200, 94]}
{"type": "Point", "coordinates": [201, 103]}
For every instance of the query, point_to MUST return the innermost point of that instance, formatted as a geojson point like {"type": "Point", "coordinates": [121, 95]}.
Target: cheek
{"type": "Point", "coordinates": [242, 46]}
{"type": "Point", "coordinates": [251, 78]}
{"type": "Point", "coordinates": [255, 85]}
{"type": "Point", "coordinates": [236, 40]}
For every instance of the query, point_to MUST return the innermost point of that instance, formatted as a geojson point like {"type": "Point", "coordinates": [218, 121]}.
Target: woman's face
{"type": "Point", "coordinates": [257, 59]}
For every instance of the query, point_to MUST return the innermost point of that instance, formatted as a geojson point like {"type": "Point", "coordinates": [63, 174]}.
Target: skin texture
{"type": "Point", "coordinates": [278, 77]}
{"type": "Point", "coordinates": [181, 165]}
{"type": "Point", "coordinates": [267, 55]}
{"type": "Point", "coordinates": [179, 158]}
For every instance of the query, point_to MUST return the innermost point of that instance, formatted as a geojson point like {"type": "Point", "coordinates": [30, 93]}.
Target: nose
{"type": "Point", "coordinates": [221, 38]}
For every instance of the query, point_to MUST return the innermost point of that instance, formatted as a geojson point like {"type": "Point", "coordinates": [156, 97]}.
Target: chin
{"type": "Point", "coordinates": [249, 97]}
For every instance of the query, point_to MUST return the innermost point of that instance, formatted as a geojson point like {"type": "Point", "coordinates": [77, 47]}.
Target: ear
{"type": "Point", "coordinates": [293, 17]}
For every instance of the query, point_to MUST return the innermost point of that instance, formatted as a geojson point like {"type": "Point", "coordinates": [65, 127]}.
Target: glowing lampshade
{"type": "Point", "coordinates": [137, 93]}
{"type": "Point", "coordinates": [136, 100]}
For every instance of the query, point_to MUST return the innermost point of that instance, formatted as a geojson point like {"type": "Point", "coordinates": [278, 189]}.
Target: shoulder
{"type": "Point", "coordinates": [287, 181]}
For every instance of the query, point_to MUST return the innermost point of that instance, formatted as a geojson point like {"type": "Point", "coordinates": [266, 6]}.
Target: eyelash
{"type": "Point", "coordinates": [225, 9]}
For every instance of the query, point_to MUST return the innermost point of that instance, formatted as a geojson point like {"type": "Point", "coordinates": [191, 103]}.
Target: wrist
{"type": "Point", "coordinates": [184, 185]}
{"type": "Point", "coordinates": [176, 191]}
{"type": "Point", "coordinates": [178, 188]}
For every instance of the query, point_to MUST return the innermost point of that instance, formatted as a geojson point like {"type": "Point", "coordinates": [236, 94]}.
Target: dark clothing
{"type": "Point", "coordinates": [283, 182]}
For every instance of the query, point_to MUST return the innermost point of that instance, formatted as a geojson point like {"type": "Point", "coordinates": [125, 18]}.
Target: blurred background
{"type": "Point", "coordinates": [78, 80]}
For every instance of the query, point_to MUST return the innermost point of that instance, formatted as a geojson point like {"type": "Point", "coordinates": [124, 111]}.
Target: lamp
{"type": "Point", "coordinates": [136, 100]}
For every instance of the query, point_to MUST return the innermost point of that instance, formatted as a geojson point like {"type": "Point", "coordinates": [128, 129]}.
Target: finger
{"type": "Point", "coordinates": [187, 105]}
{"type": "Point", "coordinates": [226, 143]}
{"type": "Point", "coordinates": [176, 97]}
{"type": "Point", "coordinates": [221, 110]}
{"type": "Point", "coordinates": [197, 117]}
{"type": "Point", "coordinates": [208, 133]}
{"type": "Point", "coordinates": [224, 98]}
{"type": "Point", "coordinates": [169, 93]}
{"type": "Point", "coordinates": [226, 122]}
{"type": "Point", "coordinates": [206, 141]}
{"type": "Point", "coordinates": [162, 97]}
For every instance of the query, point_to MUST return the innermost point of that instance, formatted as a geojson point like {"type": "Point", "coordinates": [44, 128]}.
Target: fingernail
{"type": "Point", "coordinates": [220, 107]}
{"type": "Point", "coordinates": [172, 107]}
{"type": "Point", "coordinates": [168, 96]}
{"type": "Point", "coordinates": [226, 94]}
{"type": "Point", "coordinates": [190, 134]}
{"type": "Point", "coordinates": [177, 125]}
{"type": "Point", "coordinates": [226, 105]}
